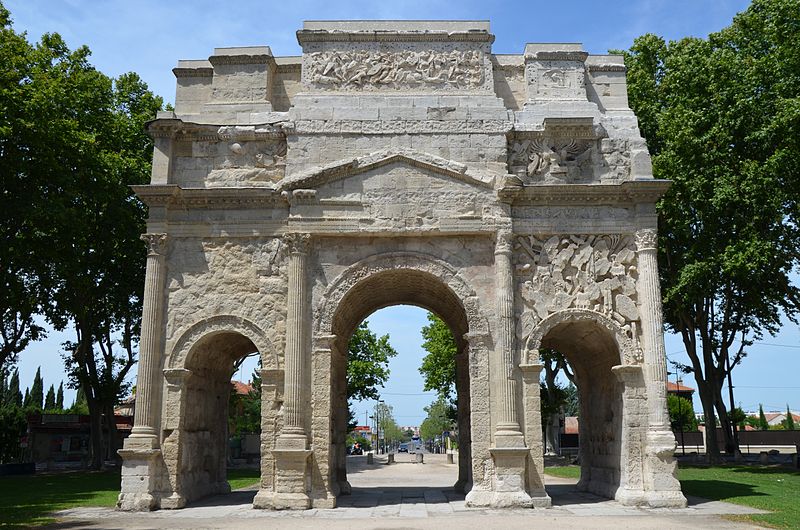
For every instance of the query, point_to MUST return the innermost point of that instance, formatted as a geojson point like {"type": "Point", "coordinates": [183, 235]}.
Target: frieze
{"type": "Point", "coordinates": [563, 160]}
{"type": "Point", "coordinates": [581, 272]}
{"type": "Point", "coordinates": [397, 126]}
{"type": "Point", "coordinates": [394, 70]}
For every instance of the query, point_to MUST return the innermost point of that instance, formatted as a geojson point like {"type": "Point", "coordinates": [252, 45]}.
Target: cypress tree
{"type": "Point", "coordinates": [26, 402]}
{"type": "Point", "coordinates": [60, 396]}
{"type": "Point", "coordinates": [789, 419]}
{"type": "Point", "coordinates": [762, 419]}
{"type": "Point", "coordinates": [13, 395]}
{"type": "Point", "coordinates": [37, 390]}
{"type": "Point", "coordinates": [50, 399]}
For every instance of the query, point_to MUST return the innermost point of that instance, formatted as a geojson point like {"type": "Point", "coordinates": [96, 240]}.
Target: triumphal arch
{"type": "Point", "coordinates": [399, 162]}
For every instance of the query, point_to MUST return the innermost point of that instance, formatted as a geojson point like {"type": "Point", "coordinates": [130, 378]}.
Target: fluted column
{"type": "Point", "coordinates": [150, 344]}
{"type": "Point", "coordinates": [297, 344]}
{"type": "Point", "coordinates": [655, 357]}
{"type": "Point", "coordinates": [508, 422]}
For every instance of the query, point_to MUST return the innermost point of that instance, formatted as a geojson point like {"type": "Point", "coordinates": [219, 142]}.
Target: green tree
{"type": "Point", "coordinates": [681, 413]}
{"type": "Point", "coordinates": [763, 424]}
{"type": "Point", "coordinates": [553, 395]}
{"type": "Point", "coordinates": [721, 117]}
{"type": "Point", "coordinates": [50, 399]}
{"type": "Point", "coordinates": [439, 365]}
{"type": "Point", "coordinates": [60, 397]}
{"type": "Point", "coordinates": [437, 421]}
{"type": "Point", "coordinates": [73, 141]}
{"type": "Point", "coordinates": [12, 394]}
{"type": "Point", "coordinates": [79, 406]}
{"type": "Point", "coordinates": [389, 430]}
{"type": "Point", "coordinates": [244, 412]}
{"type": "Point", "coordinates": [789, 421]}
{"type": "Point", "coordinates": [23, 141]}
{"type": "Point", "coordinates": [572, 405]}
{"type": "Point", "coordinates": [367, 363]}
{"type": "Point", "coordinates": [36, 396]}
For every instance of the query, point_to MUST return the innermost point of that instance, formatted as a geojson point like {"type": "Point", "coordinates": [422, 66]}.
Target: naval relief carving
{"type": "Point", "coordinates": [402, 70]}
{"type": "Point", "coordinates": [586, 274]}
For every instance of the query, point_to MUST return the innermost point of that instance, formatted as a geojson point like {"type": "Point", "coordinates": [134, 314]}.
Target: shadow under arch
{"type": "Point", "coordinates": [198, 376]}
{"type": "Point", "coordinates": [384, 280]}
{"type": "Point", "coordinates": [595, 346]}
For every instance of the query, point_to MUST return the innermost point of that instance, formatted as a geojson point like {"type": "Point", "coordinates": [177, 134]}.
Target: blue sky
{"type": "Point", "coordinates": [148, 37]}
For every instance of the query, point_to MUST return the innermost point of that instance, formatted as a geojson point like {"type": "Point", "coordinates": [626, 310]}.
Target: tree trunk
{"type": "Point", "coordinates": [95, 433]}
{"type": "Point", "coordinates": [707, 400]}
{"type": "Point", "coordinates": [726, 424]}
{"type": "Point", "coordinates": [111, 433]}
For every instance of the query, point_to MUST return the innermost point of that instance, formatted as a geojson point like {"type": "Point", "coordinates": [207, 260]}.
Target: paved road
{"type": "Point", "coordinates": [408, 495]}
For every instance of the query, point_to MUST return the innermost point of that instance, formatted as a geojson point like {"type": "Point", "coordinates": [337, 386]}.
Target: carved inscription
{"type": "Point", "coordinates": [403, 70]}
{"type": "Point", "coordinates": [585, 272]}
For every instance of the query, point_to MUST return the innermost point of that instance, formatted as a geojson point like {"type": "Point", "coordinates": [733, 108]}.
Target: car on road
{"type": "Point", "coordinates": [403, 448]}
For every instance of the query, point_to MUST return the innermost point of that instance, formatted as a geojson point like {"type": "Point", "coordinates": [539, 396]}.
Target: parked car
{"type": "Point", "coordinates": [403, 448]}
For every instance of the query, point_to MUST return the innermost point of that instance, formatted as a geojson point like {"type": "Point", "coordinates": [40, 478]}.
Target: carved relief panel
{"type": "Point", "coordinates": [387, 66]}
{"type": "Point", "coordinates": [594, 273]}
{"type": "Point", "coordinates": [564, 152]}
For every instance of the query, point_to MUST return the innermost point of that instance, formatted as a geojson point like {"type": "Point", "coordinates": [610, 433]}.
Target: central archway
{"type": "Point", "coordinates": [383, 281]}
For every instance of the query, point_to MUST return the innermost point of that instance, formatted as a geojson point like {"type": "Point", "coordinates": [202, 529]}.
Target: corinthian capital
{"type": "Point", "coordinates": [156, 244]}
{"type": "Point", "coordinates": [297, 243]}
{"type": "Point", "coordinates": [646, 239]}
{"type": "Point", "coordinates": [504, 242]}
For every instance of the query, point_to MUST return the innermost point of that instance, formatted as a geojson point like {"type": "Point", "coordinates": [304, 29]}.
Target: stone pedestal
{"type": "Point", "coordinates": [140, 472]}
{"type": "Point", "coordinates": [290, 482]}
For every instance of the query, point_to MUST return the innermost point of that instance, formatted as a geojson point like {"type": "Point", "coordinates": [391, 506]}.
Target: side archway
{"type": "Point", "coordinates": [605, 361]}
{"type": "Point", "coordinates": [195, 415]}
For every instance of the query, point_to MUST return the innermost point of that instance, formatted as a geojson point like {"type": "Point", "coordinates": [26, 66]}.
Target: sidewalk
{"type": "Point", "coordinates": [408, 495]}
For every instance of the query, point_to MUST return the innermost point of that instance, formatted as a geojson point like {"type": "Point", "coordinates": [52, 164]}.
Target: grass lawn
{"type": "Point", "coordinates": [241, 478]}
{"type": "Point", "coordinates": [26, 501]}
{"type": "Point", "coordinates": [774, 489]}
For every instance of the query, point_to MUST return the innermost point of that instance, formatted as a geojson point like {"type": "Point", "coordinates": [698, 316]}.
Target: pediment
{"type": "Point", "coordinates": [318, 177]}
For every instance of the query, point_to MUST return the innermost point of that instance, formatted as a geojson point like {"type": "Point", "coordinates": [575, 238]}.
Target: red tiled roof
{"type": "Point", "coordinates": [677, 387]}
{"type": "Point", "coordinates": [241, 388]}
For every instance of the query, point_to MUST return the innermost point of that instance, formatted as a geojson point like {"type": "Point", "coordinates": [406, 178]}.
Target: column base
{"type": "Point", "coordinates": [173, 502]}
{"type": "Point", "coordinates": [140, 473]}
{"type": "Point", "coordinates": [290, 481]}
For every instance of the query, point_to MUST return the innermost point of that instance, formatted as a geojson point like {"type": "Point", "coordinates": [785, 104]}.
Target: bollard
{"type": "Point", "coordinates": [391, 458]}
{"type": "Point", "coordinates": [369, 458]}
{"type": "Point", "coordinates": [449, 458]}
{"type": "Point", "coordinates": [420, 458]}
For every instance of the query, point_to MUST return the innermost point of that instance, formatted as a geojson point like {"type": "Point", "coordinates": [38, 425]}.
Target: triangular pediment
{"type": "Point", "coordinates": [319, 176]}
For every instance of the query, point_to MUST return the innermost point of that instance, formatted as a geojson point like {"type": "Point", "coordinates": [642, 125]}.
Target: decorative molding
{"type": "Point", "coordinates": [297, 243]}
{"type": "Point", "coordinates": [309, 36]}
{"type": "Point", "coordinates": [337, 127]}
{"type": "Point", "coordinates": [392, 261]}
{"type": "Point", "coordinates": [182, 347]}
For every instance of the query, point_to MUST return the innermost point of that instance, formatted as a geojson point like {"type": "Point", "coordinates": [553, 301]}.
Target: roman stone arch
{"type": "Point", "coordinates": [398, 162]}
{"type": "Point", "coordinates": [412, 278]}
{"type": "Point", "coordinates": [628, 352]}
{"type": "Point", "coordinates": [208, 327]}
{"type": "Point", "coordinates": [196, 398]}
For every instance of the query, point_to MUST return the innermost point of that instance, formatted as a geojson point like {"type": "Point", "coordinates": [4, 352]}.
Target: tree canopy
{"type": "Point", "coordinates": [721, 116]}
{"type": "Point", "coordinates": [367, 363]}
{"type": "Point", "coordinates": [439, 365]}
{"type": "Point", "coordinates": [72, 142]}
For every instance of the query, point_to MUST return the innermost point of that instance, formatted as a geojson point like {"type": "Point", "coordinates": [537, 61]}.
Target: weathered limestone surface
{"type": "Point", "coordinates": [399, 162]}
